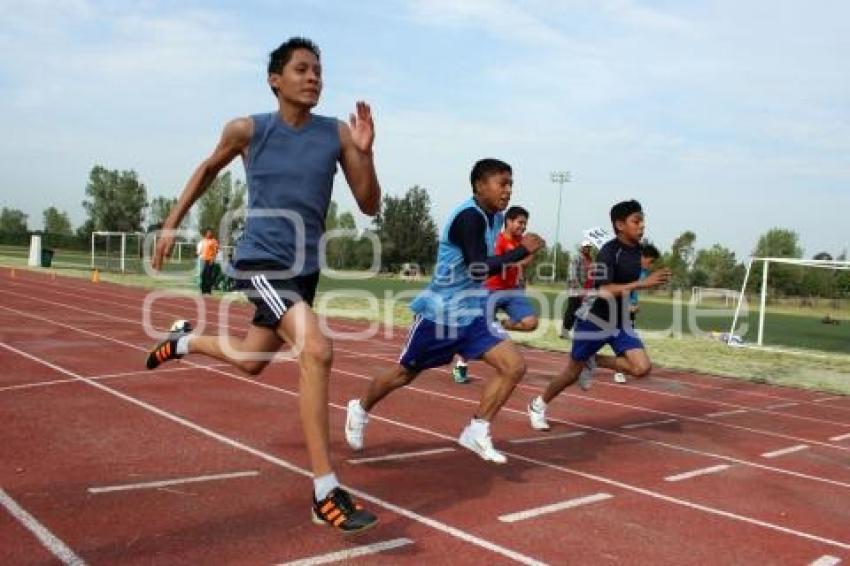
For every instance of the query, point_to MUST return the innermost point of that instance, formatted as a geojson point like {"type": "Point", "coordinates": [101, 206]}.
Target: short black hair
{"type": "Point", "coordinates": [483, 168]}
{"type": "Point", "coordinates": [515, 212]}
{"type": "Point", "coordinates": [623, 210]}
{"type": "Point", "coordinates": [281, 56]}
{"type": "Point", "coordinates": [650, 251]}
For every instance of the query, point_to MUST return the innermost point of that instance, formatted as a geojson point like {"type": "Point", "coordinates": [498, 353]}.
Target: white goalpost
{"type": "Point", "coordinates": [113, 254]}
{"type": "Point", "coordinates": [813, 263]}
{"type": "Point", "coordinates": [700, 295]}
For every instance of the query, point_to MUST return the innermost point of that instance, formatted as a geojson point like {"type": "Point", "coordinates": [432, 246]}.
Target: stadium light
{"type": "Point", "coordinates": [559, 177]}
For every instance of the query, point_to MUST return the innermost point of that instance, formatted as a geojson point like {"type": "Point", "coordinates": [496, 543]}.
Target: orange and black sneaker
{"type": "Point", "coordinates": [339, 511]}
{"type": "Point", "coordinates": [167, 349]}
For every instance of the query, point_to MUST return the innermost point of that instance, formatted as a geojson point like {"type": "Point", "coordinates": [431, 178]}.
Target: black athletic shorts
{"type": "Point", "coordinates": [273, 295]}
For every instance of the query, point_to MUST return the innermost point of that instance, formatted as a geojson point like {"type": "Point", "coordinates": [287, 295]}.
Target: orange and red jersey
{"type": "Point", "coordinates": [509, 277]}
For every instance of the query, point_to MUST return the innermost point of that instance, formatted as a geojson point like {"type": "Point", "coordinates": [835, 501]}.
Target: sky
{"type": "Point", "coordinates": [726, 118]}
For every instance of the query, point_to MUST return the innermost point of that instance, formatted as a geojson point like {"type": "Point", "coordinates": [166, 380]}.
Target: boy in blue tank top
{"type": "Point", "coordinates": [290, 157]}
{"type": "Point", "coordinates": [450, 315]}
{"type": "Point", "coordinates": [603, 317]}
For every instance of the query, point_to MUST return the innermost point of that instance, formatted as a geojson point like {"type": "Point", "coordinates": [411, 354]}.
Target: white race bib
{"type": "Point", "coordinates": [599, 236]}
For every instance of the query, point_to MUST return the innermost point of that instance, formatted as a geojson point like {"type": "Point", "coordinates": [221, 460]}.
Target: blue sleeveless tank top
{"type": "Point", "coordinates": [290, 180]}
{"type": "Point", "coordinates": [453, 298]}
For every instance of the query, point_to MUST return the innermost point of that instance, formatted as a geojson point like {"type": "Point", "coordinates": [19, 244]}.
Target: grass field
{"type": "Point", "coordinates": [821, 362]}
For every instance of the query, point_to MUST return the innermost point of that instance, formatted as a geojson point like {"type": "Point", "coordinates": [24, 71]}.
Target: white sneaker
{"type": "Point", "coordinates": [620, 377]}
{"type": "Point", "coordinates": [481, 445]}
{"type": "Point", "coordinates": [537, 415]}
{"type": "Point", "coordinates": [355, 424]}
{"type": "Point", "coordinates": [585, 378]}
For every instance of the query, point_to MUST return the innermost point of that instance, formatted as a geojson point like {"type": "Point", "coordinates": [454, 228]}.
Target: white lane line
{"type": "Point", "coordinates": [648, 423]}
{"type": "Point", "coordinates": [425, 520]}
{"type": "Point", "coordinates": [36, 384]}
{"type": "Point", "coordinates": [840, 437]}
{"type": "Point", "coordinates": [826, 560]}
{"type": "Point", "coordinates": [166, 483]}
{"type": "Point", "coordinates": [781, 406]}
{"type": "Point", "coordinates": [233, 443]}
{"type": "Point", "coordinates": [147, 372]}
{"type": "Point", "coordinates": [341, 555]}
{"type": "Point", "coordinates": [400, 456]}
{"type": "Point", "coordinates": [700, 472]}
{"type": "Point", "coordinates": [725, 413]}
{"type": "Point", "coordinates": [547, 437]}
{"type": "Point", "coordinates": [822, 399]}
{"type": "Point", "coordinates": [124, 298]}
{"type": "Point", "coordinates": [546, 509]}
{"type": "Point", "coordinates": [677, 447]}
{"type": "Point", "coordinates": [48, 539]}
{"type": "Point", "coordinates": [154, 372]}
{"type": "Point", "coordinates": [784, 451]}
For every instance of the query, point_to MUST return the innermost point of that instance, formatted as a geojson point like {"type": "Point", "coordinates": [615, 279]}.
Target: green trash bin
{"type": "Point", "coordinates": [46, 257]}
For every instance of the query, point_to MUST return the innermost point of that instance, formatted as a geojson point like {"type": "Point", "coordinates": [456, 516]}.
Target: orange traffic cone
{"type": "Point", "coordinates": [95, 276]}
{"type": "Point", "coordinates": [12, 274]}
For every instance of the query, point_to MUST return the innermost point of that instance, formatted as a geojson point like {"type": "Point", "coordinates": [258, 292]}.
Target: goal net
{"type": "Point", "coordinates": [117, 251]}
{"type": "Point", "coordinates": [715, 295]}
{"type": "Point", "coordinates": [794, 304]}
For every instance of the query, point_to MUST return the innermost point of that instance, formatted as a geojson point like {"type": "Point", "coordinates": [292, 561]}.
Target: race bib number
{"type": "Point", "coordinates": [599, 236]}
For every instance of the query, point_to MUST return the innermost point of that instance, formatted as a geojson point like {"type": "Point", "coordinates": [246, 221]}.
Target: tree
{"type": "Point", "coordinates": [13, 220]}
{"type": "Point", "coordinates": [57, 222]}
{"type": "Point", "coordinates": [223, 195]}
{"type": "Point", "coordinates": [339, 250]}
{"type": "Point", "coordinates": [406, 230]}
{"type": "Point", "coordinates": [784, 279]}
{"type": "Point", "coordinates": [680, 259]}
{"type": "Point", "coordinates": [117, 200]}
{"type": "Point", "coordinates": [716, 267]}
{"type": "Point", "coordinates": [160, 208]}
{"type": "Point", "coordinates": [547, 255]}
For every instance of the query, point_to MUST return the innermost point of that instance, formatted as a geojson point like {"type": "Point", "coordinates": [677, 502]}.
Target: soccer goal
{"type": "Point", "coordinates": [819, 309]}
{"type": "Point", "coordinates": [117, 251]}
{"type": "Point", "coordinates": [715, 295]}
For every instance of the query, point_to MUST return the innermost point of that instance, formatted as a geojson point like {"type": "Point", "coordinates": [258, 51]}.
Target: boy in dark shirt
{"type": "Point", "coordinates": [604, 316]}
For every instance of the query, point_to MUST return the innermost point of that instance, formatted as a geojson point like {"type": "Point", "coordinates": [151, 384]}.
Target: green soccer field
{"type": "Point", "coordinates": [785, 329]}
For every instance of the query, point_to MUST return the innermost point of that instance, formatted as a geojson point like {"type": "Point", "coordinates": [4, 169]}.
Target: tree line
{"type": "Point", "coordinates": [117, 201]}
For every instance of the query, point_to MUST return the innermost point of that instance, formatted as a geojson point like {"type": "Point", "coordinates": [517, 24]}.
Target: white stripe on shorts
{"type": "Point", "coordinates": [262, 285]}
{"type": "Point", "coordinates": [410, 334]}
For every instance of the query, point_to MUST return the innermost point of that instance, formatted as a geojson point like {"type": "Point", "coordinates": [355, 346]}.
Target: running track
{"type": "Point", "coordinates": [102, 462]}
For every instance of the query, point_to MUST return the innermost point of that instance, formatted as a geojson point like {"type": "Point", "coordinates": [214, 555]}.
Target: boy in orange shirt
{"type": "Point", "coordinates": [506, 287]}
{"type": "Point", "coordinates": [209, 249]}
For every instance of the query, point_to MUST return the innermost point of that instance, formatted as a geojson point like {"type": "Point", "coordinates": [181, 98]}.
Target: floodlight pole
{"type": "Point", "coordinates": [559, 177]}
